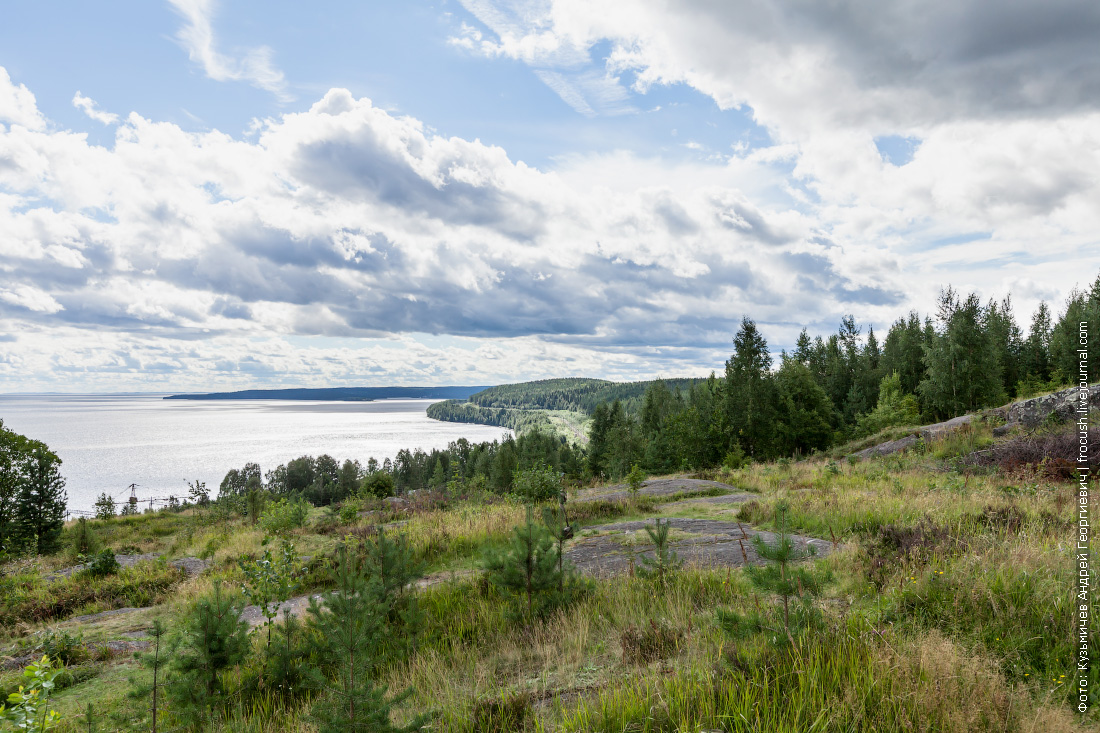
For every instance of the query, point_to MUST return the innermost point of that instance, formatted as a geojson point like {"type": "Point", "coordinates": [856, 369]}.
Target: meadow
{"type": "Point", "coordinates": [943, 600]}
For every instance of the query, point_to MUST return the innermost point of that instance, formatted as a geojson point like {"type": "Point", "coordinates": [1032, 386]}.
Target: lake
{"type": "Point", "coordinates": [107, 443]}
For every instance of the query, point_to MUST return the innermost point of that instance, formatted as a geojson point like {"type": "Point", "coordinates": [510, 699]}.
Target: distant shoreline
{"type": "Point", "coordinates": [337, 394]}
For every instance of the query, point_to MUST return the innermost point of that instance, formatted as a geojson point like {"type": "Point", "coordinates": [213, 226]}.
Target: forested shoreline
{"type": "Point", "coordinates": [828, 390]}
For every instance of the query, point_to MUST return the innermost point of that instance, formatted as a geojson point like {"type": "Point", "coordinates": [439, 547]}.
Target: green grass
{"type": "Point", "coordinates": [968, 629]}
{"type": "Point", "coordinates": [30, 599]}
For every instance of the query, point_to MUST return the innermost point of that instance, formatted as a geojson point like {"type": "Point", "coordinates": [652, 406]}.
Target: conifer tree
{"type": "Point", "coordinates": [804, 413]}
{"type": "Point", "coordinates": [1036, 349]}
{"type": "Point", "coordinates": [750, 404]}
{"type": "Point", "coordinates": [1081, 307]}
{"type": "Point", "coordinates": [213, 638]}
{"type": "Point", "coordinates": [964, 371]}
{"type": "Point", "coordinates": [903, 352]}
{"type": "Point", "coordinates": [155, 661]}
{"type": "Point", "coordinates": [1004, 338]}
{"type": "Point", "coordinates": [527, 566]}
{"type": "Point", "coordinates": [287, 671]}
{"type": "Point", "coordinates": [349, 623]}
{"type": "Point", "coordinates": [42, 503]}
{"type": "Point", "coordinates": [392, 565]}
{"type": "Point", "coordinates": [665, 560]}
{"type": "Point", "coordinates": [782, 578]}
{"type": "Point", "coordinates": [561, 530]}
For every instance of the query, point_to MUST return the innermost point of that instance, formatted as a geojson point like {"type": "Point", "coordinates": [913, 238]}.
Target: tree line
{"type": "Point", "coordinates": [847, 385]}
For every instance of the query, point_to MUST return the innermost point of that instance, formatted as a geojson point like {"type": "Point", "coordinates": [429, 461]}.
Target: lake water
{"type": "Point", "coordinates": [107, 443]}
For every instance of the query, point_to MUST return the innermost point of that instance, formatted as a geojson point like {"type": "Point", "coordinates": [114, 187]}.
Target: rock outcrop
{"type": "Point", "coordinates": [1062, 405]}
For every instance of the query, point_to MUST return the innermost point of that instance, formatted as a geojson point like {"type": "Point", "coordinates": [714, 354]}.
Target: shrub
{"type": "Point", "coordinates": [735, 458]}
{"type": "Point", "coordinates": [284, 515]}
{"type": "Point", "coordinates": [537, 484]}
{"type": "Point", "coordinates": [378, 484]}
{"type": "Point", "coordinates": [32, 601]}
{"type": "Point", "coordinates": [635, 479]}
{"type": "Point", "coordinates": [29, 707]}
{"type": "Point", "coordinates": [66, 647]}
{"type": "Point", "coordinates": [914, 546]}
{"type": "Point", "coordinates": [84, 541]}
{"type": "Point", "coordinates": [102, 563]}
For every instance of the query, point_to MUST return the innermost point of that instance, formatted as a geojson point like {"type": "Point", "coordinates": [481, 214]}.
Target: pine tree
{"type": "Point", "coordinates": [42, 499]}
{"type": "Point", "coordinates": [782, 578]}
{"type": "Point", "coordinates": [664, 560]}
{"type": "Point", "coordinates": [85, 541]}
{"type": "Point", "coordinates": [527, 566]}
{"type": "Point", "coordinates": [213, 638]}
{"type": "Point", "coordinates": [393, 567]}
{"type": "Point", "coordinates": [561, 530]}
{"type": "Point", "coordinates": [349, 623]}
{"type": "Point", "coordinates": [155, 661]}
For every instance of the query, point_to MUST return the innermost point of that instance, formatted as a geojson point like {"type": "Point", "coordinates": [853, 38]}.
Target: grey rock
{"type": "Point", "coordinates": [1063, 405]}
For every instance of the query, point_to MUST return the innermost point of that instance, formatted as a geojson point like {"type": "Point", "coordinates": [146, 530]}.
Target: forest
{"type": "Point", "coordinates": [828, 390]}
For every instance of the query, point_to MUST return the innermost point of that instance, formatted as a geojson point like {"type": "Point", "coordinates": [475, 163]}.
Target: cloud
{"type": "Point", "coordinates": [846, 64]}
{"type": "Point", "coordinates": [17, 104]}
{"type": "Point", "coordinates": [255, 65]}
{"type": "Point", "coordinates": [343, 242]}
{"type": "Point", "coordinates": [31, 298]}
{"type": "Point", "coordinates": [524, 31]}
{"type": "Point", "coordinates": [89, 107]}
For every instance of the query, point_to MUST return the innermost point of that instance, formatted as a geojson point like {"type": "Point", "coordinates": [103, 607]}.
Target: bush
{"type": "Point", "coordinates": [736, 458]}
{"type": "Point", "coordinates": [102, 563]}
{"type": "Point", "coordinates": [284, 515]}
{"type": "Point", "coordinates": [84, 540]}
{"type": "Point", "coordinates": [378, 484]}
{"type": "Point", "coordinates": [537, 484]}
{"type": "Point", "coordinates": [61, 645]}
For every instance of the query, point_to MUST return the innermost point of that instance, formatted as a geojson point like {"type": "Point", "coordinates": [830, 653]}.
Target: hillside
{"type": "Point", "coordinates": [562, 406]}
{"type": "Point", "coordinates": [933, 593]}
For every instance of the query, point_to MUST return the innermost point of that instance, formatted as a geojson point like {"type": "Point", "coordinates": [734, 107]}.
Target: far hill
{"type": "Point", "coordinates": [343, 394]}
{"type": "Point", "coordinates": [560, 405]}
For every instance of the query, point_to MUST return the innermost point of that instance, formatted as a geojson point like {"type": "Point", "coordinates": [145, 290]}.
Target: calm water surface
{"type": "Point", "coordinates": [107, 443]}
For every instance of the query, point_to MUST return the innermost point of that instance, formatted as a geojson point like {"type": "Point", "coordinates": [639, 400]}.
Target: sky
{"type": "Point", "coordinates": [219, 195]}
